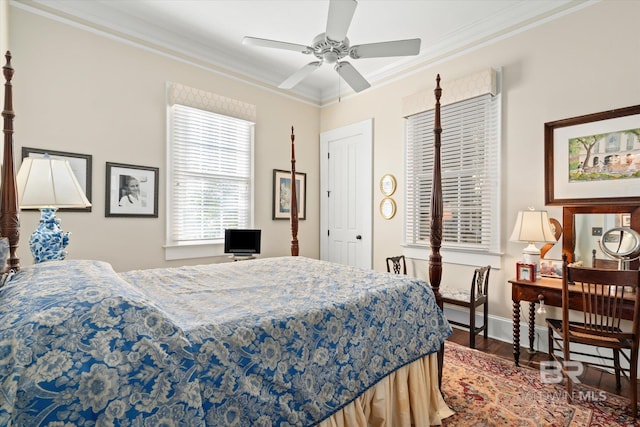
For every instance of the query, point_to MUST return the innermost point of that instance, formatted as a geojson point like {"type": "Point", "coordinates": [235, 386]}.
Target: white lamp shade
{"type": "Point", "coordinates": [49, 183]}
{"type": "Point", "coordinates": [532, 226]}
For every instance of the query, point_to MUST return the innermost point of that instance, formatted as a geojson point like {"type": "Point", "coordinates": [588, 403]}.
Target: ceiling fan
{"type": "Point", "coordinates": [333, 45]}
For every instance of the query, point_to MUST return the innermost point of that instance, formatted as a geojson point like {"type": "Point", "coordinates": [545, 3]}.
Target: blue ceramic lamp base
{"type": "Point", "coordinates": [48, 241]}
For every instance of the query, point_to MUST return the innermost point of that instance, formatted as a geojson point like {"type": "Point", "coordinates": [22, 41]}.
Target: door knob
{"type": "Point", "coordinates": [358, 237]}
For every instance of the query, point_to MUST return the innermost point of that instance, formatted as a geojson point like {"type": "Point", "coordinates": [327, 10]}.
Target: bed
{"type": "Point", "coordinates": [287, 341]}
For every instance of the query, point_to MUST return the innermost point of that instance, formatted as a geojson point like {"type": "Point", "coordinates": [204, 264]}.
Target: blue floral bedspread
{"type": "Point", "coordinates": [268, 342]}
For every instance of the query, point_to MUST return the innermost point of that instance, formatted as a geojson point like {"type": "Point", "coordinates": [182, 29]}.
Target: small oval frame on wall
{"type": "Point", "coordinates": [387, 208]}
{"type": "Point", "coordinates": [388, 184]}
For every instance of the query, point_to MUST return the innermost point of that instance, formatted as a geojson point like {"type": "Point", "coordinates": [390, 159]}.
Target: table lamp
{"type": "Point", "coordinates": [48, 184]}
{"type": "Point", "coordinates": [532, 226]}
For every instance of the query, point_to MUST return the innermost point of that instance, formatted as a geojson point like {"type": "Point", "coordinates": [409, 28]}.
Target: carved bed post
{"type": "Point", "coordinates": [435, 260]}
{"type": "Point", "coordinates": [294, 200]}
{"type": "Point", "coordinates": [9, 221]}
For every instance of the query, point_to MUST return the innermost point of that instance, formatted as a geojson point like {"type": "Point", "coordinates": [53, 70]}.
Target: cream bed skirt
{"type": "Point", "coordinates": [409, 397]}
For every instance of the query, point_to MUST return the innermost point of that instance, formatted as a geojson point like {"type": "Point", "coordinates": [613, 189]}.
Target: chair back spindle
{"type": "Point", "coordinates": [481, 281]}
{"type": "Point", "coordinates": [397, 263]}
{"type": "Point", "coordinates": [602, 294]}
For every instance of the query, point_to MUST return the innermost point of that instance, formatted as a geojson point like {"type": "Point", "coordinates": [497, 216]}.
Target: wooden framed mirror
{"type": "Point", "coordinates": [583, 226]}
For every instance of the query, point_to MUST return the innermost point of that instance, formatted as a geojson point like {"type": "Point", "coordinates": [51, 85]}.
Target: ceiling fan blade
{"type": "Point", "coordinates": [339, 19]}
{"type": "Point", "coordinates": [382, 49]}
{"type": "Point", "coordinates": [300, 75]}
{"type": "Point", "coordinates": [352, 76]}
{"type": "Point", "coordinates": [255, 41]}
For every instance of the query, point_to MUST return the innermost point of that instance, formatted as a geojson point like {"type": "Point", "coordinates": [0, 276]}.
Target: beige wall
{"type": "Point", "coordinates": [77, 91]}
{"type": "Point", "coordinates": [582, 63]}
{"type": "Point", "coordinates": [4, 44]}
{"type": "Point", "coordinates": [4, 28]}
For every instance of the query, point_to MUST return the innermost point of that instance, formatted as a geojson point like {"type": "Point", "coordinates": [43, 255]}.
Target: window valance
{"type": "Point", "coordinates": [468, 87]}
{"type": "Point", "coordinates": [203, 100]}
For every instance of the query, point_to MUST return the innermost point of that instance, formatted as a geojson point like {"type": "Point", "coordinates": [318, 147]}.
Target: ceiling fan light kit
{"type": "Point", "coordinates": [333, 45]}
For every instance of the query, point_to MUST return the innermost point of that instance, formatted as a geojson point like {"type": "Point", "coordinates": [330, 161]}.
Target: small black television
{"type": "Point", "coordinates": [241, 242]}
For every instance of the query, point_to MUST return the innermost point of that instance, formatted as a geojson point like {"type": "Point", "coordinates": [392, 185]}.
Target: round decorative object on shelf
{"type": "Point", "coordinates": [388, 184]}
{"type": "Point", "coordinates": [387, 208]}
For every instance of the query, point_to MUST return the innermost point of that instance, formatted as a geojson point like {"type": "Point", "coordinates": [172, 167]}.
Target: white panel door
{"type": "Point", "coordinates": [346, 192]}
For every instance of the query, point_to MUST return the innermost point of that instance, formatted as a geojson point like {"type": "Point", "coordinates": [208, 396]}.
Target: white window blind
{"type": "Point", "coordinates": [211, 171]}
{"type": "Point", "coordinates": [470, 160]}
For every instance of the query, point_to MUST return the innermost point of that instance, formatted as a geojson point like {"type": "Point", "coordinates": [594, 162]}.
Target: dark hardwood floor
{"type": "Point", "coordinates": [592, 376]}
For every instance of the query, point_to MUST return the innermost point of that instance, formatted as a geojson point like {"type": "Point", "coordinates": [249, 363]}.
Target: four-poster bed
{"type": "Point", "coordinates": [9, 223]}
{"type": "Point", "coordinates": [294, 199]}
{"type": "Point", "coordinates": [276, 341]}
{"type": "Point", "coordinates": [435, 235]}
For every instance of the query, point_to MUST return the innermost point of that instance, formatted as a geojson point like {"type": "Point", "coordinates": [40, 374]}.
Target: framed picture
{"type": "Point", "coordinates": [131, 191]}
{"type": "Point", "coordinates": [282, 194]}
{"type": "Point", "coordinates": [388, 184]}
{"type": "Point", "coordinates": [625, 220]}
{"type": "Point", "coordinates": [80, 165]}
{"type": "Point", "coordinates": [388, 208]}
{"type": "Point", "coordinates": [551, 268]}
{"type": "Point", "coordinates": [525, 272]}
{"type": "Point", "coordinates": [593, 159]}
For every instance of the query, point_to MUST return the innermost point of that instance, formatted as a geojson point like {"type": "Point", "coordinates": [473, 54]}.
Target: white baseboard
{"type": "Point", "coordinates": [501, 329]}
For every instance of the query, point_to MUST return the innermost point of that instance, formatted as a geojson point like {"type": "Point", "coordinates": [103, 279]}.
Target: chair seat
{"type": "Point", "coordinates": [557, 325]}
{"type": "Point", "coordinates": [455, 294]}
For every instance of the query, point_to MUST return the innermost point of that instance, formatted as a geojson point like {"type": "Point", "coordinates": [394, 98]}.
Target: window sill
{"type": "Point", "coordinates": [450, 256]}
{"type": "Point", "coordinates": [193, 250]}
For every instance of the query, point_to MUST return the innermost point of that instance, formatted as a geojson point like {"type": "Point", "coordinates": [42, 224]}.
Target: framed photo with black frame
{"type": "Point", "coordinates": [131, 191]}
{"type": "Point", "coordinates": [80, 165]}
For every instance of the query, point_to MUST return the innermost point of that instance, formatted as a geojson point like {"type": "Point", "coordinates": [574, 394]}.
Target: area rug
{"type": "Point", "coordinates": [486, 390]}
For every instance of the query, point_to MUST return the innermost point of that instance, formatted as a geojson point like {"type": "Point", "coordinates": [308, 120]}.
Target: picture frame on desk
{"type": "Point", "coordinates": [525, 272]}
{"type": "Point", "coordinates": [551, 268]}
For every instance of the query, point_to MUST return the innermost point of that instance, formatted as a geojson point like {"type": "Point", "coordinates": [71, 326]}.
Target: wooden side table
{"type": "Point", "coordinates": [548, 289]}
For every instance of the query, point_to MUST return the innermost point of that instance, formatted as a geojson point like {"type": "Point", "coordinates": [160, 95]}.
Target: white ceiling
{"type": "Point", "coordinates": [211, 31]}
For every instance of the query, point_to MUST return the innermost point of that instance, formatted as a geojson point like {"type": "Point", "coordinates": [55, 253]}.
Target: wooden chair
{"type": "Point", "coordinates": [397, 264]}
{"type": "Point", "coordinates": [608, 264]}
{"type": "Point", "coordinates": [476, 296]}
{"type": "Point", "coordinates": [599, 294]}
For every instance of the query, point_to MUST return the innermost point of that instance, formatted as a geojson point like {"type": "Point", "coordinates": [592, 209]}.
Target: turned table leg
{"type": "Point", "coordinates": [532, 324]}
{"type": "Point", "coordinates": [516, 332]}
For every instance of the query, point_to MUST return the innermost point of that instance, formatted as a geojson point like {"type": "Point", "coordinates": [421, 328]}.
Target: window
{"type": "Point", "coordinates": [470, 160]}
{"type": "Point", "coordinates": [210, 179]}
